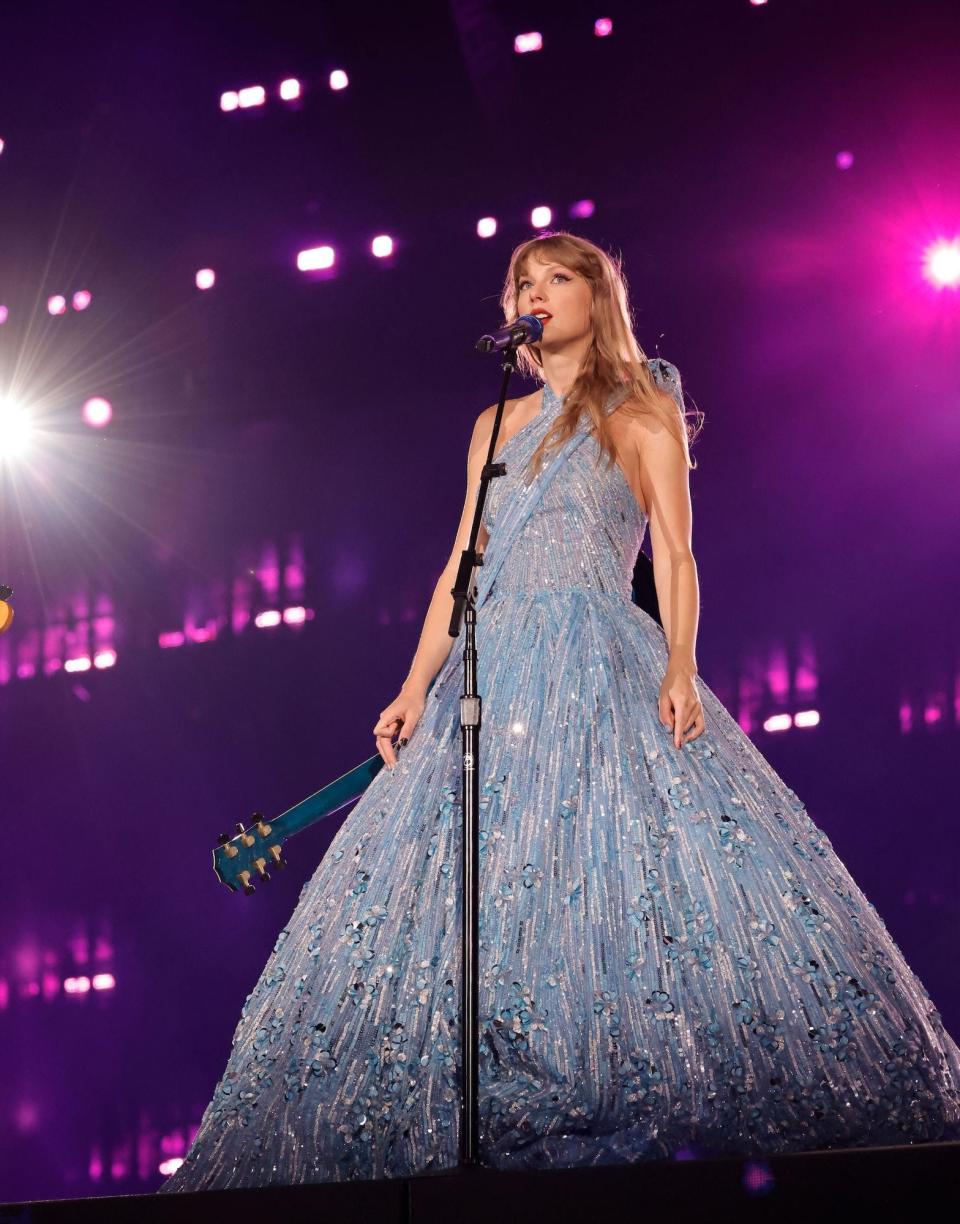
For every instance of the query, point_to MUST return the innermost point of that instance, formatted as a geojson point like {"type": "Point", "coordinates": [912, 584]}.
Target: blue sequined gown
{"type": "Point", "coordinates": [672, 954]}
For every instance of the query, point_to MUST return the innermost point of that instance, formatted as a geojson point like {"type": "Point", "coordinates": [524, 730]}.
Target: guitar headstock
{"type": "Point", "coordinates": [247, 855]}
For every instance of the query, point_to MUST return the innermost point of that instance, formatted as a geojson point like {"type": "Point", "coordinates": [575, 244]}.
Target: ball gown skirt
{"type": "Point", "coordinates": [671, 953]}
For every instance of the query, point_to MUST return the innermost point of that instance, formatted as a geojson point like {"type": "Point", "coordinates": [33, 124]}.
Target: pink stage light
{"type": "Point", "coordinates": [80, 664]}
{"type": "Point", "coordinates": [168, 1167]}
{"type": "Point", "coordinates": [382, 246]}
{"type": "Point", "coordinates": [104, 981]}
{"type": "Point", "coordinates": [4, 314]}
{"type": "Point", "coordinates": [252, 95]}
{"type": "Point", "coordinates": [806, 718]}
{"type": "Point", "coordinates": [583, 208]}
{"type": "Point", "coordinates": [603, 27]}
{"type": "Point", "coordinates": [97, 412]}
{"type": "Point", "coordinates": [82, 299]}
{"type": "Point", "coordinates": [76, 985]}
{"type": "Point", "coordinates": [541, 217]}
{"type": "Point", "coordinates": [297, 616]}
{"type": "Point", "coordinates": [844, 159]}
{"type": "Point", "coordinates": [171, 638]}
{"type": "Point", "coordinates": [105, 658]}
{"type": "Point", "coordinates": [941, 264]}
{"type": "Point", "coordinates": [267, 620]}
{"type": "Point", "coordinates": [290, 89]}
{"type": "Point", "coordinates": [205, 278]}
{"type": "Point", "coordinates": [316, 258]}
{"type": "Point", "coordinates": [339, 79]}
{"type": "Point", "coordinates": [777, 722]}
{"type": "Point", "coordinates": [2, 146]}
{"type": "Point", "coordinates": [230, 100]}
{"type": "Point", "coordinates": [487, 227]}
{"type": "Point", "coordinates": [528, 42]}
{"type": "Point", "coordinates": [57, 305]}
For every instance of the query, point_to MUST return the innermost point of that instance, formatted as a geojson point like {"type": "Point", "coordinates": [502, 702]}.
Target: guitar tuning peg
{"type": "Point", "coordinates": [223, 838]}
{"type": "Point", "coordinates": [278, 860]}
{"type": "Point", "coordinates": [244, 878]}
{"type": "Point", "coordinates": [261, 867]}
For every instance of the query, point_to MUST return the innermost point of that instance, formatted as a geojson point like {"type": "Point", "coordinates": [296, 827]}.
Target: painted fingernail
{"type": "Point", "coordinates": [403, 743]}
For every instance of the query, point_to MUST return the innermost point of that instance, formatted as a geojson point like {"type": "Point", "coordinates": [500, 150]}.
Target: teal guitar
{"type": "Point", "coordinates": [248, 854]}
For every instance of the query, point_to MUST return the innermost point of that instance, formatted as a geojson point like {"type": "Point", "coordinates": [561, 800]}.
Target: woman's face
{"type": "Point", "coordinates": [551, 289]}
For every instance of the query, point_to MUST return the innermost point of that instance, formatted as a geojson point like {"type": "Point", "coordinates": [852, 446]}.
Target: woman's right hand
{"type": "Point", "coordinates": [399, 718]}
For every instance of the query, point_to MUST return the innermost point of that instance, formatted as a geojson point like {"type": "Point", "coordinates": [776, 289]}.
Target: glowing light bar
{"type": "Point", "coordinates": [844, 159]}
{"type": "Point", "coordinates": [105, 658]}
{"type": "Point", "coordinates": [486, 227]}
{"type": "Point", "coordinates": [230, 100]}
{"type": "Point", "coordinates": [528, 42]}
{"type": "Point", "coordinates": [80, 664]}
{"type": "Point", "coordinates": [57, 305]}
{"type": "Point", "coordinates": [339, 79]}
{"type": "Point", "coordinates": [104, 981]}
{"type": "Point", "coordinates": [316, 258]}
{"type": "Point", "coordinates": [541, 217]}
{"type": "Point", "coordinates": [82, 299]}
{"type": "Point", "coordinates": [205, 278]}
{"type": "Point", "coordinates": [289, 89]}
{"type": "Point", "coordinates": [201, 633]}
{"type": "Point", "coordinates": [942, 264]}
{"type": "Point", "coordinates": [97, 411]}
{"type": "Point", "coordinates": [603, 27]}
{"type": "Point", "coordinates": [172, 637]}
{"type": "Point", "coordinates": [777, 722]}
{"type": "Point", "coordinates": [168, 1167]}
{"type": "Point", "coordinates": [297, 616]}
{"type": "Point", "coordinates": [583, 208]}
{"type": "Point", "coordinates": [2, 146]}
{"type": "Point", "coordinates": [267, 620]}
{"type": "Point", "coordinates": [76, 985]}
{"type": "Point", "coordinates": [252, 95]}
{"type": "Point", "coordinates": [382, 246]}
{"type": "Point", "coordinates": [4, 314]}
{"type": "Point", "coordinates": [806, 718]}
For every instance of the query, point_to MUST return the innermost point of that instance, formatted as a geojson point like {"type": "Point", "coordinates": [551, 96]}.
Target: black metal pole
{"type": "Point", "coordinates": [464, 608]}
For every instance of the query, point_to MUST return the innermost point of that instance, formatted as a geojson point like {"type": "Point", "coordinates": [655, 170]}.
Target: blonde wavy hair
{"type": "Point", "coordinates": [614, 359]}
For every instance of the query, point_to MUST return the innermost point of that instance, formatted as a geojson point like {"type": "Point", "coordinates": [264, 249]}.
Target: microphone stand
{"type": "Point", "coordinates": [464, 610]}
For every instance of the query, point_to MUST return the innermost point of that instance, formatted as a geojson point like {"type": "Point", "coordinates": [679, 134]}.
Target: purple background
{"type": "Point", "coordinates": [336, 412]}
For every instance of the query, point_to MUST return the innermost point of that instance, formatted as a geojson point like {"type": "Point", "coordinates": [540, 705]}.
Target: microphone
{"type": "Point", "coordinates": [527, 329]}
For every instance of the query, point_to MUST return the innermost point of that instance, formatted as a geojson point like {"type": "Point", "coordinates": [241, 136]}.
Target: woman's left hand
{"type": "Point", "coordinates": [680, 707]}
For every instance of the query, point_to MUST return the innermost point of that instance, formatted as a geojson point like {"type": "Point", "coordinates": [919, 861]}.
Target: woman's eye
{"type": "Point", "coordinates": [523, 284]}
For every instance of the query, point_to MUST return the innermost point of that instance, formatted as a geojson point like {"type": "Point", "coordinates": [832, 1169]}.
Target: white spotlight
{"type": "Point", "coordinates": [339, 79]}
{"type": "Point", "coordinates": [252, 95]}
{"type": "Point", "coordinates": [541, 217]}
{"type": "Point", "coordinates": [382, 246]}
{"type": "Point", "coordinates": [57, 305]}
{"type": "Point", "coordinates": [316, 258]}
{"type": "Point", "coordinates": [205, 278]}
{"type": "Point", "coordinates": [290, 89]}
{"type": "Point", "coordinates": [97, 412]}
{"type": "Point", "coordinates": [15, 429]}
{"type": "Point", "coordinates": [487, 227]}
